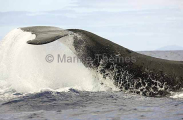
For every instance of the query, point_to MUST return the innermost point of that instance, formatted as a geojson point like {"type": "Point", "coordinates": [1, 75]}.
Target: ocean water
{"type": "Point", "coordinates": [33, 88]}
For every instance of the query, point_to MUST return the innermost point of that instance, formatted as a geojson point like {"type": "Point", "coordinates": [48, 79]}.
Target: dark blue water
{"type": "Point", "coordinates": [76, 104]}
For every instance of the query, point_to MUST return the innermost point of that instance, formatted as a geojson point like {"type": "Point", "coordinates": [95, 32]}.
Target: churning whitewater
{"type": "Point", "coordinates": [24, 68]}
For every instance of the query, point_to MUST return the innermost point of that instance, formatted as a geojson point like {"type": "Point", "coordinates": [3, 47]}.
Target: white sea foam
{"type": "Point", "coordinates": [177, 95]}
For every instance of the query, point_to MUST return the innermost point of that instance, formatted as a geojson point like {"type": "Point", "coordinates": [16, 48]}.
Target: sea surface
{"type": "Point", "coordinates": [75, 104]}
{"type": "Point", "coordinates": [32, 89]}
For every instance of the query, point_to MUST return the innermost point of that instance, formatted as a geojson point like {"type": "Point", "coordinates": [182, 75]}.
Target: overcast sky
{"type": "Point", "coordinates": [135, 24]}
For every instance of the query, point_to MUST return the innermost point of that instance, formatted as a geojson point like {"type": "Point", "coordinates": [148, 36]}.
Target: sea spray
{"type": "Point", "coordinates": [25, 70]}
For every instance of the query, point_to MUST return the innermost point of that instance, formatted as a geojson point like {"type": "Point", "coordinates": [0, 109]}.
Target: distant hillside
{"type": "Point", "coordinates": [171, 47]}
{"type": "Point", "coordinates": [176, 55]}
